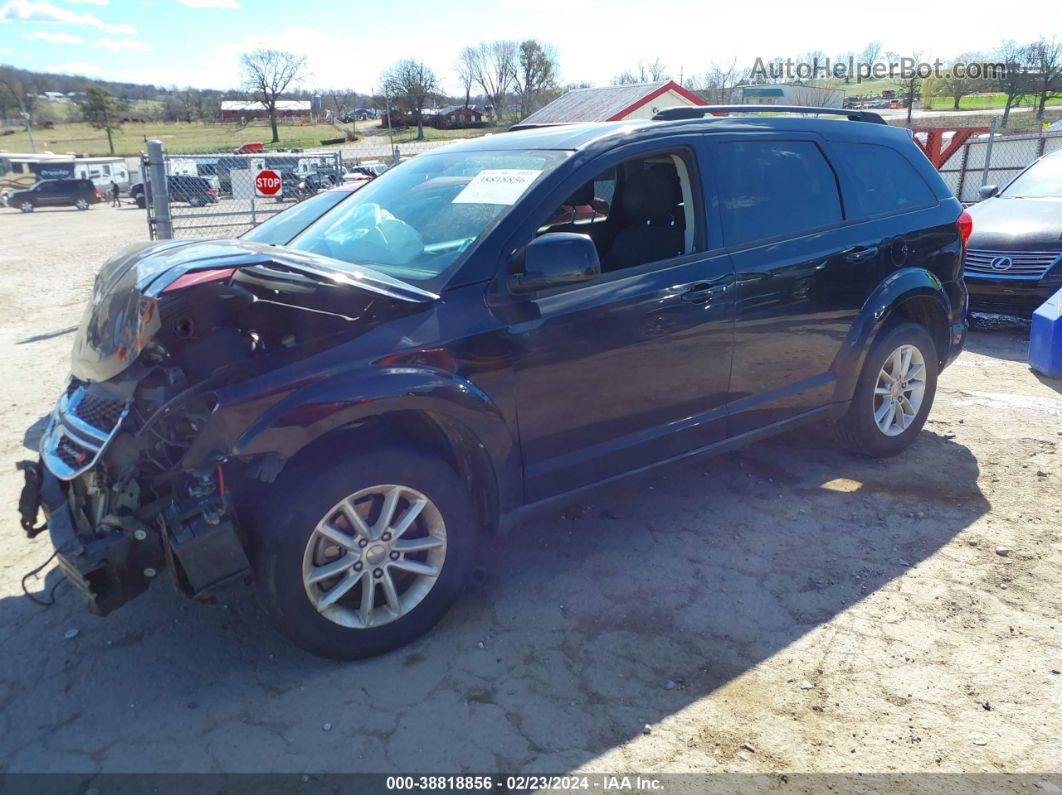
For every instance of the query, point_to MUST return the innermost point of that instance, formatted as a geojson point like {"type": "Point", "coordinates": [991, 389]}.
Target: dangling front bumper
{"type": "Point", "coordinates": [108, 569]}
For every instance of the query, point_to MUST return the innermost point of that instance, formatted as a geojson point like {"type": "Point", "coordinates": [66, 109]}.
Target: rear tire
{"type": "Point", "coordinates": [893, 395]}
{"type": "Point", "coordinates": [308, 527]}
{"type": "Point", "coordinates": [81, 204]}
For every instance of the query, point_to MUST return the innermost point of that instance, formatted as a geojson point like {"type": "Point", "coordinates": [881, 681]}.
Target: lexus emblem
{"type": "Point", "coordinates": [1002, 263]}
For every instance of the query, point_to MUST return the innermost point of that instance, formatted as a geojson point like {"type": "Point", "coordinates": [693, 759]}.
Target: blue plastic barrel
{"type": "Point", "coordinates": [1045, 339]}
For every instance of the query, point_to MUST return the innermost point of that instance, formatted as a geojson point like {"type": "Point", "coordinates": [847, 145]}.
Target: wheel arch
{"type": "Point", "coordinates": [430, 410]}
{"type": "Point", "coordinates": [913, 294]}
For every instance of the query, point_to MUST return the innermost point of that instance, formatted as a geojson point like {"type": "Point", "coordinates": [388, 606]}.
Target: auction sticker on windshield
{"type": "Point", "coordinates": [497, 186]}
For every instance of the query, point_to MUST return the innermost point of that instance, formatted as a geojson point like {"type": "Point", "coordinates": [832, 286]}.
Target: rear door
{"type": "Point", "coordinates": [802, 267]}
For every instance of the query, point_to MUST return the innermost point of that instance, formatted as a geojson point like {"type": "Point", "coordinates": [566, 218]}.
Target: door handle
{"type": "Point", "coordinates": [860, 253]}
{"type": "Point", "coordinates": [702, 293]}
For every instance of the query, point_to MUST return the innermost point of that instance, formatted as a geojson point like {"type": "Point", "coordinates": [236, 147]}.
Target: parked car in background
{"type": "Point", "coordinates": [250, 148]}
{"type": "Point", "coordinates": [79, 193]}
{"type": "Point", "coordinates": [196, 191]}
{"type": "Point", "coordinates": [1014, 260]}
{"type": "Point", "coordinates": [483, 331]}
{"type": "Point", "coordinates": [365, 169]}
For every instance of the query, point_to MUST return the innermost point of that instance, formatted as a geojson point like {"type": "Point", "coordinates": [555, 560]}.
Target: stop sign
{"type": "Point", "coordinates": [268, 183]}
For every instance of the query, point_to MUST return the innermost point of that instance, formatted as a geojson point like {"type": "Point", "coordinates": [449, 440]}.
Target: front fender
{"type": "Point", "coordinates": [899, 286]}
{"type": "Point", "coordinates": [321, 407]}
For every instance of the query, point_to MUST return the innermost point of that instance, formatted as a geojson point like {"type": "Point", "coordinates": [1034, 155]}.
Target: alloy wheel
{"type": "Point", "coordinates": [26, 207]}
{"type": "Point", "coordinates": [900, 390]}
{"type": "Point", "coordinates": [374, 556]}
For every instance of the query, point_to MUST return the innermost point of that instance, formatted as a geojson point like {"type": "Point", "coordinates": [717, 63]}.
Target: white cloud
{"type": "Point", "coordinates": [210, 3]}
{"type": "Point", "coordinates": [89, 2]}
{"type": "Point", "coordinates": [54, 38]}
{"type": "Point", "coordinates": [44, 11]}
{"type": "Point", "coordinates": [117, 45]}
{"type": "Point", "coordinates": [86, 69]}
{"type": "Point", "coordinates": [5, 50]}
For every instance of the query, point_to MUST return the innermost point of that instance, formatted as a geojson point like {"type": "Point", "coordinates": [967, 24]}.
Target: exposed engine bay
{"type": "Point", "coordinates": [130, 487]}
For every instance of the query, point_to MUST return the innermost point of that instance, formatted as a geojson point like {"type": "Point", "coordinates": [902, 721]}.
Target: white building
{"type": "Point", "coordinates": [789, 94]}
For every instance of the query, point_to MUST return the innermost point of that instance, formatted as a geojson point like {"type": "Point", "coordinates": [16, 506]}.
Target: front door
{"type": "Point", "coordinates": [632, 368]}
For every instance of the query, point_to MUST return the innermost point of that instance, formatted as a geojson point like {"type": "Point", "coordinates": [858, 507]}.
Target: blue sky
{"type": "Point", "coordinates": [349, 42]}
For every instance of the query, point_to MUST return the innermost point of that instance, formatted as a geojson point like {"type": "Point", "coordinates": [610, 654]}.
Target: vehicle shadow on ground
{"type": "Point", "coordinates": [617, 612]}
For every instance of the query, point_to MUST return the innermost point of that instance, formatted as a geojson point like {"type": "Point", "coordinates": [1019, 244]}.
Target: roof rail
{"type": "Point", "coordinates": [700, 111]}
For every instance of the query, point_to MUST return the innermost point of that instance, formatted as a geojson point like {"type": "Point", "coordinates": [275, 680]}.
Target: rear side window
{"type": "Point", "coordinates": [882, 180]}
{"type": "Point", "coordinates": [773, 188]}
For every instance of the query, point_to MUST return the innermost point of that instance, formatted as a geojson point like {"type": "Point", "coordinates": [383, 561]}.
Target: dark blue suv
{"type": "Point", "coordinates": [480, 331]}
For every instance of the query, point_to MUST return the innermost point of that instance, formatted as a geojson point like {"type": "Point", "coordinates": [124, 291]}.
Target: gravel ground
{"type": "Point", "coordinates": [788, 608]}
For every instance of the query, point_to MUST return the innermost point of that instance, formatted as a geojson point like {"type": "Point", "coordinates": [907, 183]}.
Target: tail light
{"type": "Point", "coordinates": [96, 193]}
{"type": "Point", "coordinates": [212, 191]}
{"type": "Point", "coordinates": [198, 277]}
{"type": "Point", "coordinates": [964, 224]}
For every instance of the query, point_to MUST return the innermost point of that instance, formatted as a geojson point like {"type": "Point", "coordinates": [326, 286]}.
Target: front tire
{"type": "Point", "coordinates": [358, 557]}
{"type": "Point", "coordinates": [893, 395]}
{"type": "Point", "coordinates": [26, 207]}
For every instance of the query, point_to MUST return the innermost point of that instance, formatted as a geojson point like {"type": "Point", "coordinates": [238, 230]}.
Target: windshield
{"type": "Point", "coordinates": [283, 226]}
{"type": "Point", "coordinates": [1042, 180]}
{"type": "Point", "coordinates": [418, 221]}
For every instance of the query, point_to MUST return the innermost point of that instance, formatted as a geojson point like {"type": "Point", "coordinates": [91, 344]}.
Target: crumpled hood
{"type": "Point", "coordinates": [122, 315]}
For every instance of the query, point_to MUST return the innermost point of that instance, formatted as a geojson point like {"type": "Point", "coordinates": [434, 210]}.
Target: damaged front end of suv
{"type": "Point", "coordinates": [176, 354]}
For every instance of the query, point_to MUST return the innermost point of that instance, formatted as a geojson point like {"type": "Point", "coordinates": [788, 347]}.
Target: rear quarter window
{"type": "Point", "coordinates": [773, 188]}
{"type": "Point", "coordinates": [880, 180]}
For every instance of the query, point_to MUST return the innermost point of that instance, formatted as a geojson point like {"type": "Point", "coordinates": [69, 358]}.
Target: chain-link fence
{"type": "Point", "coordinates": [988, 158]}
{"type": "Point", "coordinates": [214, 195]}
{"type": "Point", "coordinates": [197, 195]}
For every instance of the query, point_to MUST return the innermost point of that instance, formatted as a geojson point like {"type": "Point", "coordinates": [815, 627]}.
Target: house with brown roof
{"type": "Point", "coordinates": [613, 103]}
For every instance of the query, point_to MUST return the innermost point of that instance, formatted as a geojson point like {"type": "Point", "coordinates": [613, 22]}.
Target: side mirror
{"type": "Point", "coordinates": [555, 259]}
{"type": "Point", "coordinates": [988, 191]}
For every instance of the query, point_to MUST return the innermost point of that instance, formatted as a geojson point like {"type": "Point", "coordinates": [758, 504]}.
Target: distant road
{"type": "Point", "coordinates": [917, 114]}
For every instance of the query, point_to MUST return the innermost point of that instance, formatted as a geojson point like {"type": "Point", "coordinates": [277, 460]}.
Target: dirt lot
{"type": "Point", "coordinates": [788, 608]}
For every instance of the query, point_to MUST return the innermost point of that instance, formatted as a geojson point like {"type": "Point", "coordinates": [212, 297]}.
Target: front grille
{"type": "Point", "coordinates": [99, 412]}
{"type": "Point", "coordinates": [80, 429]}
{"type": "Point", "coordinates": [1009, 264]}
{"type": "Point", "coordinates": [71, 453]}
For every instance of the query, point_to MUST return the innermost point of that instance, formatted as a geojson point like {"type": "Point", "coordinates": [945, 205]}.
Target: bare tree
{"type": "Point", "coordinates": [19, 92]}
{"type": "Point", "coordinates": [956, 83]}
{"type": "Point", "coordinates": [871, 52]}
{"type": "Point", "coordinates": [911, 85]}
{"type": "Point", "coordinates": [536, 73]}
{"type": "Point", "coordinates": [720, 81]}
{"type": "Point", "coordinates": [466, 68]}
{"type": "Point", "coordinates": [1045, 63]}
{"type": "Point", "coordinates": [651, 72]}
{"type": "Point", "coordinates": [1015, 83]}
{"type": "Point", "coordinates": [411, 82]}
{"type": "Point", "coordinates": [495, 70]}
{"type": "Point", "coordinates": [267, 74]}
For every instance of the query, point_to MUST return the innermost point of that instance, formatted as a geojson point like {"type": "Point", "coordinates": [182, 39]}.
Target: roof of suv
{"type": "Point", "coordinates": [583, 136]}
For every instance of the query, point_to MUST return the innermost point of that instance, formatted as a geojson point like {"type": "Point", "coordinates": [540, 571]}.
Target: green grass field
{"type": "Point", "coordinates": [982, 102]}
{"type": "Point", "coordinates": [177, 137]}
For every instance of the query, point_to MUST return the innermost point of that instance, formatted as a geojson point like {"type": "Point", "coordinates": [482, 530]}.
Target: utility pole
{"type": "Point", "coordinates": [29, 127]}
{"type": "Point", "coordinates": [390, 128]}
